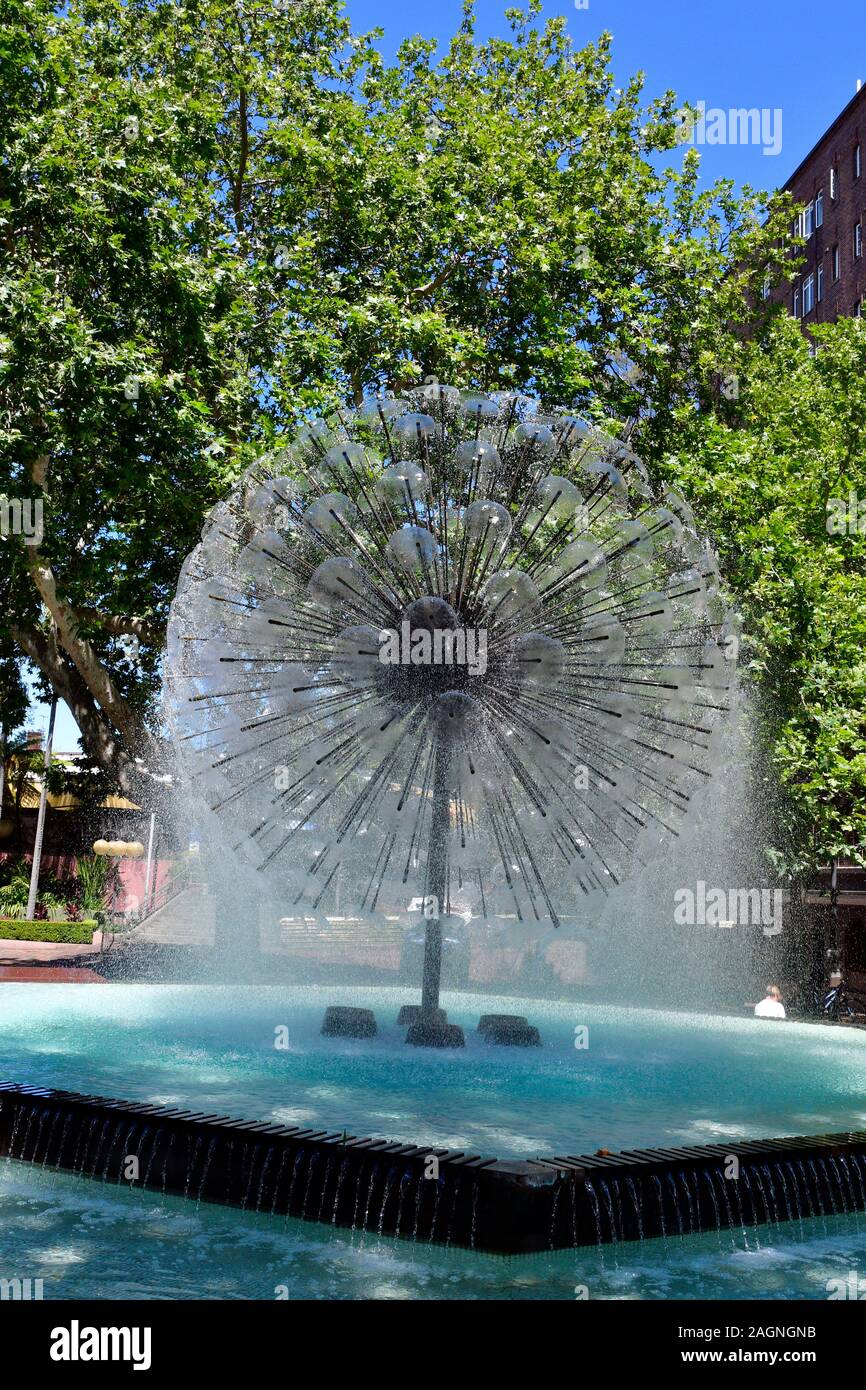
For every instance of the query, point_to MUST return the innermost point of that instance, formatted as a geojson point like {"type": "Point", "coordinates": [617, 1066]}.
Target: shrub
{"type": "Point", "coordinates": [97, 878]}
{"type": "Point", "coordinates": [53, 893]}
{"type": "Point", "coordinates": [13, 893]}
{"type": "Point", "coordinates": [77, 933]}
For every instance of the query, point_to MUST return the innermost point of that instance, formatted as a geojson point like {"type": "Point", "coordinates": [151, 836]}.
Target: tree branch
{"type": "Point", "coordinates": [87, 663]}
{"type": "Point", "coordinates": [238, 183]}
{"type": "Point", "coordinates": [97, 736]}
{"type": "Point", "coordinates": [438, 280]}
{"type": "Point", "coordinates": [123, 624]}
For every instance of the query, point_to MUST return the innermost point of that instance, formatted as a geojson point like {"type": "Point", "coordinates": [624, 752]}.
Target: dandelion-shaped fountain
{"type": "Point", "coordinates": [449, 650]}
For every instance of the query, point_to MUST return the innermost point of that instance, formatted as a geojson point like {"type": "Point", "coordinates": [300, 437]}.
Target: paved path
{"type": "Point", "coordinates": [48, 975]}
{"type": "Point", "coordinates": [47, 962]}
{"type": "Point", "coordinates": [37, 952]}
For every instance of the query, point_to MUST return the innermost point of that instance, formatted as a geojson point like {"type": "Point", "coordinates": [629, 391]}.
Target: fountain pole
{"type": "Point", "coordinates": [429, 1027]}
{"type": "Point", "coordinates": [436, 882]}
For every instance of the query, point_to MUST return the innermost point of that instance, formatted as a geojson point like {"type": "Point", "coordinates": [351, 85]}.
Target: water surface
{"type": "Point", "coordinates": [646, 1078]}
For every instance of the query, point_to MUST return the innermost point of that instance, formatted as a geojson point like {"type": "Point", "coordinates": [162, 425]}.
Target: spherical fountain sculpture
{"type": "Point", "coordinates": [449, 650]}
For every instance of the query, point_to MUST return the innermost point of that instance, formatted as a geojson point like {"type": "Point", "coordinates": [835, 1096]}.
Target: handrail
{"type": "Point", "coordinates": [176, 882]}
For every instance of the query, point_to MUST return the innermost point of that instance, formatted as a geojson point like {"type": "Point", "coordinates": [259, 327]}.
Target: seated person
{"type": "Point", "coordinates": [771, 1005]}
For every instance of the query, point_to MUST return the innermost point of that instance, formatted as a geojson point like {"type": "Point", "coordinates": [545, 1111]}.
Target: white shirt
{"type": "Point", "coordinates": [770, 1008]}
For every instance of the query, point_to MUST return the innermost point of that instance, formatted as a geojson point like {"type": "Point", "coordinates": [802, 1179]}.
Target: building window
{"type": "Point", "coordinates": [835, 259]}
{"type": "Point", "coordinates": [796, 304]}
{"type": "Point", "coordinates": [855, 944]}
{"type": "Point", "coordinates": [819, 284]}
{"type": "Point", "coordinates": [819, 209]}
{"type": "Point", "coordinates": [858, 240]}
{"type": "Point", "coordinates": [808, 294]}
{"type": "Point", "coordinates": [833, 183]}
{"type": "Point", "coordinates": [808, 220]}
{"type": "Point", "coordinates": [765, 288]}
{"type": "Point", "coordinates": [857, 160]}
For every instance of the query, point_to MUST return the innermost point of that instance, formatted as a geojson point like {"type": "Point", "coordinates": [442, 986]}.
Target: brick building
{"type": "Point", "coordinates": [831, 182]}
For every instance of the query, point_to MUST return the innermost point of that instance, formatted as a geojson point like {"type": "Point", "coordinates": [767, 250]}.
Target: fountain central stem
{"type": "Point", "coordinates": [430, 1027]}
{"type": "Point", "coordinates": [436, 881]}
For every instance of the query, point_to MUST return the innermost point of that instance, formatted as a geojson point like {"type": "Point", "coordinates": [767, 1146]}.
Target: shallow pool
{"type": "Point", "coordinates": [87, 1240]}
{"type": "Point", "coordinates": [645, 1078]}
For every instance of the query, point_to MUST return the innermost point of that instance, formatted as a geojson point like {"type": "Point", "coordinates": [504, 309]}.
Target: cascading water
{"type": "Point", "coordinates": [371, 1185]}
{"type": "Point", "coordinates": [449, 650]}
{"type": "Point", "coordinates": [593, 1197]}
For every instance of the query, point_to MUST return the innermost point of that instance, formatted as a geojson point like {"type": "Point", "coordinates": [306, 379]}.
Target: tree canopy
{"type": "Point", "coordinates": [217, 218]}
{"type": "Point", "coordinates": [781, 486]}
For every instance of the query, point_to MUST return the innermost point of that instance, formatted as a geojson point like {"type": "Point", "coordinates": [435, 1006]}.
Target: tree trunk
{"type": "Point", "coordinates": [99, 740]}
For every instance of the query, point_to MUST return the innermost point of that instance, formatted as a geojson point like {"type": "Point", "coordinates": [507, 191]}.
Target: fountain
{"type": "Point", "coordinates": [500, 1205]}
{"type": "Point", "coordinates": [449, 651]}
{"type": "Point", "coordinates": [445, 656]}
{"type": "Point", "coordinates": [657, 1132]}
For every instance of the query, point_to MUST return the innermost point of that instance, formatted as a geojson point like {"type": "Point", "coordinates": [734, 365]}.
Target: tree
{"type": "Point", "coordinates": [778, 478]}
{"type": "Point", "coordinates": [218, 217]}
{"type": "Point", "coordinates": [130, 373]}
{"type": "Point", "coordinates": [14, 698]}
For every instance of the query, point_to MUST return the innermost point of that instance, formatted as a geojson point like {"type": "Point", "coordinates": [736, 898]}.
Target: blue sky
{"type": "Point", "coordinates": [786, 56]}
{"type": "Point", "coordinates": [791, 55]}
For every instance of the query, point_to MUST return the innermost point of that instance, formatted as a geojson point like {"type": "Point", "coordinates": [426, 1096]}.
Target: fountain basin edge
{"type": "Point", "coordinates": [501, 1206]}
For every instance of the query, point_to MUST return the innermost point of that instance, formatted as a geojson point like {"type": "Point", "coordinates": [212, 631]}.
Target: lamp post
{"type": "Point", "coordinates": [833, 953]}
{"type": "Point", "coordinates": [148, 886]}
{"type": "Point", "coordinates": [40, 819]}
{"type": "Point", "coordinates": [5, 826]}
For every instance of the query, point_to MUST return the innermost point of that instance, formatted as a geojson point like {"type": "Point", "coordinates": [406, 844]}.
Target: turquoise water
{"type": "Point", "coordinates": [646, 1078]}
{"type": "Point", "coordinates": [85, 1240]}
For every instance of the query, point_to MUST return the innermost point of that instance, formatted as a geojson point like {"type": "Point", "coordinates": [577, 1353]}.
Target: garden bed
{"type": "Point", "coordinates": [77, 933]}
